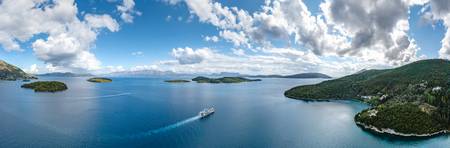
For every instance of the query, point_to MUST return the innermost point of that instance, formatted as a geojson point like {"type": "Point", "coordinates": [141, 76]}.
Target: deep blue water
{"type": "Point", "coordinates": [139, 112]}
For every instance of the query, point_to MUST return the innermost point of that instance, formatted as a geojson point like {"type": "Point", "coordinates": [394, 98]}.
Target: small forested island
{"type": "Point", "coordinates": [99, 80]}
{"type": "Point", "coordinates": [177, 81]}
{"type": "Point", "coordinates": [223, 80]}
{"type": "Point", "coordinates": [46, 86]}
{"type": "Point", "coordinates": [411, 100]}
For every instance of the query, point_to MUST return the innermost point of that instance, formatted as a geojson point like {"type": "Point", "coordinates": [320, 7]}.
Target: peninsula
{"type": "Point", "coordinates": [223, 80]}
{"type": "Point", "coordinates": [11, 72]}
{"type": "Point", "coordinates": [411, 100]}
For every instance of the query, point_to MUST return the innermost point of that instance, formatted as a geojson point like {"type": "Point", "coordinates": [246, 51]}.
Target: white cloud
{"type": "Point", "coordinates": [237, 39]}
{"type": "Point", "coordinates": [32, 70]}
{"type": "Point", "coordinates": [127, 11]}
{"type": "Point", "coordinates": [112, 69]}
{"type": "Point", "coordinates": [370, 32]}
{"type": "Point", "coordinates": [66, 51]}
{"type": "Point", "coordinates": [278, 61]}
{"type": "Point", "coordinates": [137, 53]}
{"type": "Point", "coordinates": [172, 2]}
{"type": "Point", "coordinates": [189, 56]}
{"type": "Point", "coordinates": [101, 21]}
{"type": "Point", "coordinates": [440, 10]}
{"type": "Point", "coordinates": [212, 38]}
{"type": "Point", "coordinates": [144, 67]}
{"type": "Point", "coordinates": [68, 38]}
{"type": "Point", "coordinates": [238, 52]}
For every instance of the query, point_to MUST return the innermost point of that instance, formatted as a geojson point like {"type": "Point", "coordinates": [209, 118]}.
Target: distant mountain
{"type": "Point", "coordinates": [170, 74]}
{"type": "Point", "coordinates": [146, 73]}
{"type": "Point", "coordinates": [201, 79]}
{"type": "Point", "coordinates": [295, 76]}
{"type": "Point", "coordinates": [64, 74]}
{"type": "Point", "coordinates": [308, 75]}
{"type": "Point", "coordinates": [10, 72]}
{"type": "Point", "coordinates": [266, 76]}
{"type": "Point", "coordinates": [226, 74]}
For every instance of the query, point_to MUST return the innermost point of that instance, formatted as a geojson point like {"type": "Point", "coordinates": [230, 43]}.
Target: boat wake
{"type": "Point", "coordinates": [155, 131]}
{"type": "Point", "coordinates": [105, 96]}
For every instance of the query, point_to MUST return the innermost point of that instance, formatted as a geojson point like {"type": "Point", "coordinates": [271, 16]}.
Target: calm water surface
{"type": "Point", "coordinates": [137, 112]}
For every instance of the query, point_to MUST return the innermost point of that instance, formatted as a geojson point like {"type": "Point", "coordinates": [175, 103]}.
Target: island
{"type": "Point", "coordinates": [177, 81]}
{"type": "Point", "coordinates": [46, 86]}
{"type": "Point", "coordinates": [99, 80]}
{"type": "Point", "coordinates": [12, 73]}
{"type": "Point", "coordinates": [223, 80]}
{"type": "Point", "coordinates": [412, 100]}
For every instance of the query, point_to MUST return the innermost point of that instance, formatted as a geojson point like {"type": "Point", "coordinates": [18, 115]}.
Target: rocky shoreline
{"type": "Point", "coordinates": [394, 133]}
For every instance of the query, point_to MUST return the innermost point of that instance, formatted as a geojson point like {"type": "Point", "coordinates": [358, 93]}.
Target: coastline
{"type": "Point", "coordinates": [373, 128]}
{"type": "Point", "coordinates": [328, 100]}
{"type": "Point", "coordinates": [394, 133]}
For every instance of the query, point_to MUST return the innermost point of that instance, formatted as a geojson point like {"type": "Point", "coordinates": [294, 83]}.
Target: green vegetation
{"type": "Point", "coordinates": [223, 80]}
{"type": "Point", "coordinates": [10, 72]}
{"type": "Point", "coordinates": [177, 81]}
{"type": "Point", "coordinates": [99, 80]}
{"type": "Point", "coordinates": [46, 86]}
{"type": "Point", "coordinates": [402, 118]}
{"type": "Point", "coordinates": [411, 99]}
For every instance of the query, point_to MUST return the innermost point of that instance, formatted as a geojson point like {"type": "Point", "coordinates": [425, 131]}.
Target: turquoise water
{"type": "Point", "coordinates": [139, 112]}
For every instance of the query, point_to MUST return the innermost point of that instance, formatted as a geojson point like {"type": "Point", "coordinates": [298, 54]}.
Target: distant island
{"type": "Point", "coordinates": [46, 86]}
{"type": "Point", "coordinates": [65, 74]}
{"type": "Point", "coordinates": [223, 80]}
{"type": "Point", "coordinates": [177, 81]}
{"type": "Point", "coordinates": [99, 80]}
{"type": "Point", "coordinates": [295, 76]}
{"type": "Point", "coordinates": [12, 73]}
{"type": "Point", "coordinates": [411, 100]}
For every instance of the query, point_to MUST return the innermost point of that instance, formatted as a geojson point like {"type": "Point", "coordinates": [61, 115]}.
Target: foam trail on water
{"type": "Point", "coordinates": [106, 96]}
{"type": "Point", "coordinates": [155, 131]}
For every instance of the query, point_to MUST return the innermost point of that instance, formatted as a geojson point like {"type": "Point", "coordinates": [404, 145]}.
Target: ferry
{"type": "Point", "coordinates": [206, 112]}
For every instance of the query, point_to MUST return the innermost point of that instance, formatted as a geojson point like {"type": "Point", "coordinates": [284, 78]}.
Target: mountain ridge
{"type": "Point", "coordinates": [11, 72]}
{"type": "Point", "coordinates": [410, 100]}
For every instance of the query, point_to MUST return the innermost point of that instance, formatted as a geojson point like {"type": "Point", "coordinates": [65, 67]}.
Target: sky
{"type": "Point", "coordinates": [335, 37]}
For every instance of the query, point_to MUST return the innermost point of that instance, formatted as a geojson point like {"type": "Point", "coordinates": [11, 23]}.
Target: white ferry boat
{"type": "Point", "coordinates": [206, 112]}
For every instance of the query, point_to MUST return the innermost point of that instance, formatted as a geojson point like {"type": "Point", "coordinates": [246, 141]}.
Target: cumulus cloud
{"type": "Point", "coordinates": [440, 10]}
{"type": "Point", "coordinates": [277, 61]}
{"type": "Point", "coordinates": [32, 70]}
{"type": "Point", "coordinates": [212, 38]}
{"type": "Point", "coordinates": [101, 21]}
{"type": "Point", "coordinates": [65, 50]}
{"type": "Point", "coordinates": [360, 30]}
{"type": "Point", "coordinates": [127, 11]}
{"type": "Point", "coordinates": [237, 38]}
{"type": "Point", "coordinates": [68, 38]}
{"type": "Point", "coordinates": [189, 56]}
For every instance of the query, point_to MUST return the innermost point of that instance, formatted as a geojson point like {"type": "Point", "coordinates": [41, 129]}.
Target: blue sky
{"type": "Point", "coordinates": [170, 35]}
